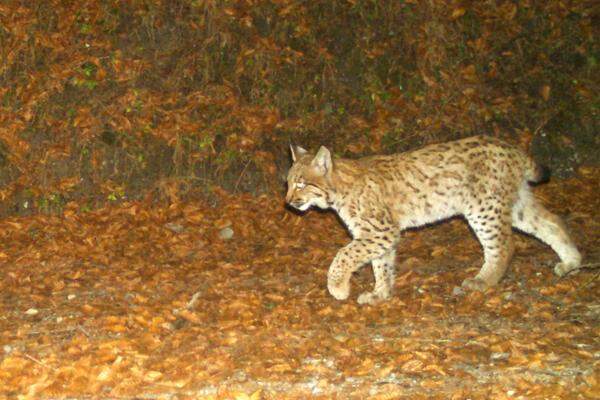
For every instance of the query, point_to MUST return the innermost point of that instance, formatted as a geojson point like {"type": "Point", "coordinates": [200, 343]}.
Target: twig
{"type": "Point", "coordinates": [79, 327]}
{"type": "Point", "coordinates": [310, 291]}
{"type": "Point", "coordinates": [590, 266]}
{"type": "Point", "coordinates": [542, 124]}
{"type": "Point", "coordinates": [35, 360]}
{"type": "Point", "coordinates": [588, 283]}
{"type": "Point", "coordinates": [185, 310]}
{"type": "Point", "coordinates": [240, 177]}
{"type": "Point", "coordinates": [582, 266]}
{"type": "Point", "coordinates": [193, 300]}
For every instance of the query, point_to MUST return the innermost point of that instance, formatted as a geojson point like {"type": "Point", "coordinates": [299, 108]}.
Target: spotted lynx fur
{"type": "Point", "coordinates": [481, 178]}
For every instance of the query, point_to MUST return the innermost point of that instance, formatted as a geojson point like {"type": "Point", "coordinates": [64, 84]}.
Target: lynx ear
{"type": "Point", "coordinates": [322, 161]}
{"type": "Point", "coordinates": [297, 152]}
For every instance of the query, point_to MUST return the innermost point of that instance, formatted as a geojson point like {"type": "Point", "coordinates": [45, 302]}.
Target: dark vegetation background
{"type": "Point", "coordinates": [105, 101]}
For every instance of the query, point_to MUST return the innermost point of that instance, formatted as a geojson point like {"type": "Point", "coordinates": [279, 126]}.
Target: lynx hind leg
{"type": "Point", "coordinates": [385, 272]}
{"type": "Point", "coordinates": [531, 217]}
{"type": "Point", "coordinates": [493, 229]}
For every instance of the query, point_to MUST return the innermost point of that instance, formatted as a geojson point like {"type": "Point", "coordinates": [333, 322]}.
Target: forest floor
{"type": "Point", "coordinates": [230, 302]}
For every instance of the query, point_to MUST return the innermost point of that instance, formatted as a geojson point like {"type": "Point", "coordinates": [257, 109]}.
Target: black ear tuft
{"type": "Point", "coordinates": [542, 175]}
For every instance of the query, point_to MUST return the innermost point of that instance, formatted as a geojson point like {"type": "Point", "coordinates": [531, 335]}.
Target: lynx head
{"type": "Point", "coordinates": [308, 179]}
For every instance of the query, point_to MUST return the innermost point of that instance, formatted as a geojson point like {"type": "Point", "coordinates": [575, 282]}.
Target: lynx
{"type": "Point", "coordinates": [482, 178]}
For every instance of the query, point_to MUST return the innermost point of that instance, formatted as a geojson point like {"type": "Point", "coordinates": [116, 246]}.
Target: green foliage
{"type": "Point", "coordinates": [116, 195]}
{"type": "Point", "coordinates": [51, 203]}
{"type": "Point", "coordinates": [196, 88]}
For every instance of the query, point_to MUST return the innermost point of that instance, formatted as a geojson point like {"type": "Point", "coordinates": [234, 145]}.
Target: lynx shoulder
{"type": "Point", "coordinates": [482, 178]}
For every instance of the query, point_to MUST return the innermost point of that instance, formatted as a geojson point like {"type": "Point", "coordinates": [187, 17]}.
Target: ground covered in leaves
{"type": "Point", "coordinates": [229, 301]}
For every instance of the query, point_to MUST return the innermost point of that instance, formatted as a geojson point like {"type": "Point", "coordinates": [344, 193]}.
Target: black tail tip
{"type": "Point", "coordinates": [543, 174]}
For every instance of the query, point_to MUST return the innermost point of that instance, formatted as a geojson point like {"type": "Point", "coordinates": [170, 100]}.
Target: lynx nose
{"type": "Point", "coordinates": [298, 205]}
{"type": "Point", "coordinates": [289, 196]}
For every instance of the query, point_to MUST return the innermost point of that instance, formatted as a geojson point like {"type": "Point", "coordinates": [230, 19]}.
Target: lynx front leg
{"type": "Point", "coordinates": [494, 234]}
{"type": "Point", "coordinates": [349, 259]}
{"type": "Point", "coordinates": [385, 272]}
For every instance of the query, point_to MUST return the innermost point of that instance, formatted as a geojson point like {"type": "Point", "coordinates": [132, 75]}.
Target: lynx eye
{"type": "Point", "coordinates": [300, 185]}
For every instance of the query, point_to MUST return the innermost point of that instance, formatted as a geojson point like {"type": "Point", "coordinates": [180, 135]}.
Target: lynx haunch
{"type": "Point", "coordinates": [482, 178]}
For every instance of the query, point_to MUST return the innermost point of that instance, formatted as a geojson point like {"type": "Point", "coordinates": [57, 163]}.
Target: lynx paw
{"type": "Point", "coordinates": [561, 269]}
{"type": "Point", "coordinates": [475, 284]}
{"type": "Point", "coordinates": [340, 291]}
{"type": "Point", "coordinates": [371, 298]}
